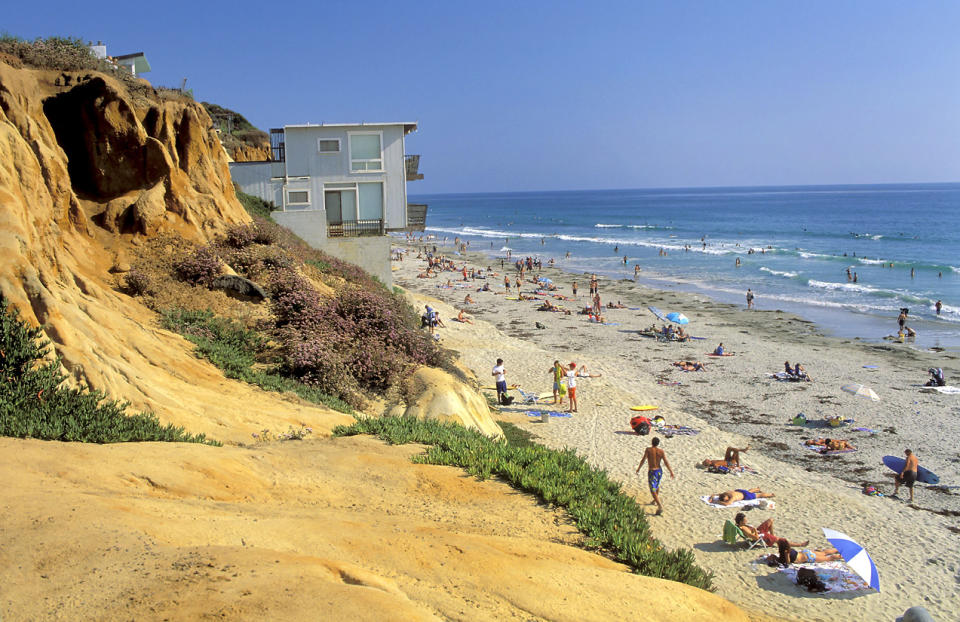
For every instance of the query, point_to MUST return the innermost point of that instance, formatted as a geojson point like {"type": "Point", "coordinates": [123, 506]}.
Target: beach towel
{"type": "Point", "coordinates": [945, 390]}
{"type": "Point", "coordinates": [753, 503]}
{"type": "Point", "coordinates": [837, 576]}
{"type": "Point", "coordinates": [677, 430]}
{"type": "Point", "coordinates": [537, 413]}
{"type": "Point", "coordinates": [823, 451]}
{"type": "Point", "coordinates": [870, 430]}
{"type": "Point", "coordinates": [782, 376]}
{"type": "Point", "coordinates": [669, 384]}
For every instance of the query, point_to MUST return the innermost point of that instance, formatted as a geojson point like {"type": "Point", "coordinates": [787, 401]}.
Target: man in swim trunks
{"type": "Point", "coordinates": [908, 475]}
{"type": "Point", "coordinates": [653, 456]}
{"type": "Point", "coordinates": [732, 496]}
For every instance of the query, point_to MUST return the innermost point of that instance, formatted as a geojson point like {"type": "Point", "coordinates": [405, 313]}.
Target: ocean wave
{"type": "Point", "coordinates": [649, 227]}
{"type": "Point", "coordinates": [786, 274]}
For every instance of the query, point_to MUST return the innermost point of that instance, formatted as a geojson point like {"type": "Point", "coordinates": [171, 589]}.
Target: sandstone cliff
{"type": "Point", "coordinates": [87, 172]}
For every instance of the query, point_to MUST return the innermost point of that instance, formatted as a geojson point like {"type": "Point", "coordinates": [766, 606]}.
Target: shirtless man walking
{"type": "Point", "coordinates": [653, 456]}
{"type": "Point", "coordinates": [908, 475]}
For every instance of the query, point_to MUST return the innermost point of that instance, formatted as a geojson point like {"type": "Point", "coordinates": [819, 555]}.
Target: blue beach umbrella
{"type": "Point", "coordinates": [855, 556]}
{"type": "Point", "coordinates": [678, 318]}
{"type": "Point", "coordinates": [658, 313]}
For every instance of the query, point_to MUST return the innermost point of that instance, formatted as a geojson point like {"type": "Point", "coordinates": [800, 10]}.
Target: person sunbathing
{"type": "Point", "coordinates": [690, 365]}
{"type": "Point", "coordinates": [461, 317]}
{"type": "Point", "coordinates": [583, 373]}
{"type": "Point", "coordinates": [801, 373]}
{"type": "Point", "coordinates": [468, 300]}
{"type": "Point", "coordinates": [731, 458]}
{"type": "Point", "coordinates": [830, 444]}
{"type": "Point", "coordinates": [763, 530]}
{"type": "Point", "coordinates": [732, 496]}
{"type": "Point", "coordinates": [547, 306]}
{"type": "Point", "coordinates": [788, 555]}
{"type": "Point", "coordinates": [681, 334]}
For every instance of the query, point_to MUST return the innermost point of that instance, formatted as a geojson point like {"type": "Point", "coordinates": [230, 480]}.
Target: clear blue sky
{"type": "Point", "coordinates": [563, 95]}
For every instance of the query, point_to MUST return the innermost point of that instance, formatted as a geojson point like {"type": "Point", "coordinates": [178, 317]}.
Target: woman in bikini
{"type": "Point", "coordinates": [831, 444]}
{"type": "Point", "coordinates": [788, 555]}
{"type": "Point", "coordinates": [763, 530]}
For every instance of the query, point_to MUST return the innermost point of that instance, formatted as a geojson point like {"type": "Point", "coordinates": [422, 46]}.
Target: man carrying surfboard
{"type": "Point", "coordinates": [653, 456]}
{"type": "Point", "coordinates": [908, 475]}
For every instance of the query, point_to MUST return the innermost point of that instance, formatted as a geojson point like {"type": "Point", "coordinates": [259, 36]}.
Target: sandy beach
{"type": "Point", "coordinates": [735, 403]}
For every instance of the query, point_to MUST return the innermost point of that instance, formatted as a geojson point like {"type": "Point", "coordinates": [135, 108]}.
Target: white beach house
{"type": "Point", "coordinates": [340, 186]}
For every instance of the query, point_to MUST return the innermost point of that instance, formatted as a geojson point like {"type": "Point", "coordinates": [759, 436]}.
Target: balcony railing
{"type": "Point", "coordinates": [413, 167]}
{"type": "Point", "coordinates": [416, 216]}
{"type": "Point", "coordinates": [354, 228]}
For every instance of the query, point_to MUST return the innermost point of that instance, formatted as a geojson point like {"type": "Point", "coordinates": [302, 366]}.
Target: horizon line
{"type": "Point", "coordinates": [732, 187]}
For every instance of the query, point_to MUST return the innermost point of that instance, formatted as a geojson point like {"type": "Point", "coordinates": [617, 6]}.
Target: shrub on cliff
{"type": "Point", "coordinates": [611, 520]}
{"type": "Point", "coordinates": [200, 267]}
{"type": "Point", "coordinates": [235, 350]}
{"type": "Point", "coordinates": [63, 53]}
{"type": "Point", "coordinates": [34, 404]}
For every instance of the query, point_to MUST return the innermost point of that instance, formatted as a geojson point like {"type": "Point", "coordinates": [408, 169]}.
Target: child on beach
{"type": "Point", "coordinates": [572, 387]}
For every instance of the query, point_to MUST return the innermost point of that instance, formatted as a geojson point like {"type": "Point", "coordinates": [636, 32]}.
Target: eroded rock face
{"type": "Point", "coordinates": [108, 152]}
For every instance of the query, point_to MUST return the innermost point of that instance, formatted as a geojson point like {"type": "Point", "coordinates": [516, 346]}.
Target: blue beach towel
{"type": "Point", "coordinates": [537, 413]}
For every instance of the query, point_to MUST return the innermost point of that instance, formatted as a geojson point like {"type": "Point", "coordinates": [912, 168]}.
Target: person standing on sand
{"type": "Point", "coordinates": [653, 456]}
{"type": "Point", "coordinates": [593, 284]}
{"type": "Point", "coordinates": [908, 475]}
{"type": "Point", "coordinates": [557, 371]}
{"type": "Point", "coordinates": [501, 375]}
{"type": "Point", "coordinates": [572, 387]}
{"type": "Point", "coordinates": [574, 289]}
{"type": "Point", "coordinates": [749, 298]}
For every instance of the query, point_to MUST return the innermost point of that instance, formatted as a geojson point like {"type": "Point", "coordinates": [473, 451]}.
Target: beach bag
{"type": "Point", "coordinates": [640, 425]}
{"type": "Point", "coordinates": [807, 577]}
{"type": "Point", "coordinates": [800, 419]}
{"type": "Point", "coordinates": [562, 390]}
{"type": "Point", "coordinates": [506, 400]}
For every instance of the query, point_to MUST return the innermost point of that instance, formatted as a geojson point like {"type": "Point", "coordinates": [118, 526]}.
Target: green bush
{"type": "Point", "coordinates": [33, 404]}
{"type": "Point", "coordinates": [255, 206]}
{"type": "Point", "coordinates": [610, 519]}
{"type": "Point", "coordinates": [234, 349]}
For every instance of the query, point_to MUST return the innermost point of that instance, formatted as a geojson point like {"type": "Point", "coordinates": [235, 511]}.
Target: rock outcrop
{"type": "Point", "coordinates": [436, 394]}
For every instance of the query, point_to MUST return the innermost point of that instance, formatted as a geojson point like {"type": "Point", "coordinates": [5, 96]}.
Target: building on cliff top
{"type": "Point", "coordinates": [341, 187]}
{"type": "Point", "coordinates": [135, 63]}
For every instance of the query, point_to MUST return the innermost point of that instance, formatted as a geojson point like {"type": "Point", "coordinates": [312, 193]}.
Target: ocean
{"type": "Point", "coordinates": [795, 245]}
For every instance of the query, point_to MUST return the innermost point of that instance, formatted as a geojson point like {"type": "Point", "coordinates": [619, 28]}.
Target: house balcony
{"type": "Point", "coordinates": [416, 216]}
{"type": "Point", "coordinates": [413, 167]}
{"type": "Point", "coordinates": [354, 228]}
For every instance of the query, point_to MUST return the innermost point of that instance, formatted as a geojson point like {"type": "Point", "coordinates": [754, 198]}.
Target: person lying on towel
{"type": "Point", "coordinates": [732, 496]}
{"type": "Point", "coordinates": [831, 444]}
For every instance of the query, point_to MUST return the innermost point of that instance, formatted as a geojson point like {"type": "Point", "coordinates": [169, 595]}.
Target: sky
{"type": "Point", "coordinates": [517, 96]}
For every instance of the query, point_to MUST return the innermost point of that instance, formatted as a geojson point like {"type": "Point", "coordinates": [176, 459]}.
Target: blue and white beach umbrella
{"type": "Point", "coordinates": [678, 318]}
{"type": "Point", "coordinates": [855, 556]}
{"type": "Point", "coordinates": [658, 313]}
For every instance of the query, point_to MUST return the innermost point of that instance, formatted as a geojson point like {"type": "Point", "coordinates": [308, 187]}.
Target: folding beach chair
{"type": "Point", "coordinates": [528, 398]}
{"type": "Point", "coordinates": [733, 535]}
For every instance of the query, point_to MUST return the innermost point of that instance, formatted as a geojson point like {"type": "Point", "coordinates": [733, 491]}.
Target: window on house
{"type": "Point", "coordinates": [298, 198]}
{"type": "Point", "coordinates": [366, 153]}
{"type": "Point", "coordinates": [370, 199]}
{"type": "Point", "coordinates": [328, 145]}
